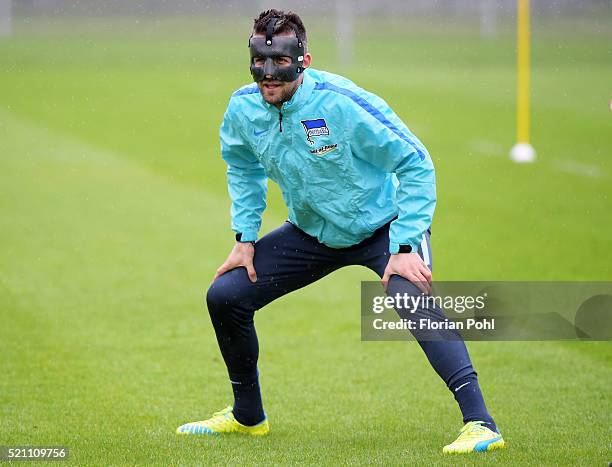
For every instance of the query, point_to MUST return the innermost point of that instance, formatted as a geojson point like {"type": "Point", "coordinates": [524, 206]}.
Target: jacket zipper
{"type": "Point", "coordinates": [280, 121]}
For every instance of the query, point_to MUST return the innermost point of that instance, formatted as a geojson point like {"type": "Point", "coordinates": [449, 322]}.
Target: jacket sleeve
{"type": "Point", "coordinates": [383, 140]}
{"type": "Point", "coordinates": [246, 179]}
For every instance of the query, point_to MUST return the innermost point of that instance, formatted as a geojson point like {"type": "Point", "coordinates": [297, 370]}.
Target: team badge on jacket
{"type": "Point", "coordinates": [316, 127]}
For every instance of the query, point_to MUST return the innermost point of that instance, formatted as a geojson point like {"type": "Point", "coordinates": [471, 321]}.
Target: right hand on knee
{"type": "Point", "coordinates": [241, 256]}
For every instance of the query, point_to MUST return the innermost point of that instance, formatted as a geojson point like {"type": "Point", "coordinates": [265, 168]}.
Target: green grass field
{"type": "Point", "coordinates": [114, 217]}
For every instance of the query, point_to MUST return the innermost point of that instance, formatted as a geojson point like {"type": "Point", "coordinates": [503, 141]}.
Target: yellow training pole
{"type": "Point", "coordinates": [522, 150]}
{"type": "Point", "coordinates": [523, 72]}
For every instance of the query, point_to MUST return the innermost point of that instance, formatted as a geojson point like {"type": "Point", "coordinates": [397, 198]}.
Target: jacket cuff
{"type": "Point", "coordinates": [248, 236]}
{"type": "Point", "coordinates": [394, 247]}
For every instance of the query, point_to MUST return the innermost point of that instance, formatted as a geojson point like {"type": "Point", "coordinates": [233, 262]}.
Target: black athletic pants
{"type": "Point", "coordinates": [287, 259]}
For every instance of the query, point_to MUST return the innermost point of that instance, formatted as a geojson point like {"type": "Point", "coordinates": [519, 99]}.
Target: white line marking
{"type": "Point", "coordinates": [486, 147]}
{"type": "Point", "coordinates": [579, 168]}
{"type": "Point", "coordinates": [425, 250]}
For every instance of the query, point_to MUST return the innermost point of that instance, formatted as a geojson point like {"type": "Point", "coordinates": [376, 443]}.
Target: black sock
{"type": "Point", "coordinates": [248, 408]}
{"type": "Point", "coordinates": [467, 394]}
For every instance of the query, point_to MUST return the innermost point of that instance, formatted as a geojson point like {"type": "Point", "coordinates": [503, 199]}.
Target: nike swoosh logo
{"type": "Point", "coordinates": [464, 384]}
{"type": "Point", "coordinates": [259, 133]}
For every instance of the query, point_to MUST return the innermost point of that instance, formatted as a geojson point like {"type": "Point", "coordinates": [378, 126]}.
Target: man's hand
{"type": "Point", "coordinates": [410, 266]}
{"type": "Point", "coordinates": [241, 255]}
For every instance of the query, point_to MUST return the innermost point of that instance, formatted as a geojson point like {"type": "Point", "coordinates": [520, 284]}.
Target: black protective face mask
{"type": "Point", "coordinates": [270, 48]}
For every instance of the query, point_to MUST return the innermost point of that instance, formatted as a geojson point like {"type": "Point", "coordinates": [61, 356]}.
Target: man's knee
{"type": "Point", "coordinates": [229, 295]}
{"type": "Point", "coordinates": [215, 298]}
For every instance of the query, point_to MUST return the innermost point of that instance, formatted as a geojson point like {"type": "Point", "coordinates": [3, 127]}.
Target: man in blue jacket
{"type": "Point", "coordinates": [359, 188]}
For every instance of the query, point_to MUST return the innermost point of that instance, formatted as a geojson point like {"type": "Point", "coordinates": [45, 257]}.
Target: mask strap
{"type": "Point", "coordinates": [270, 29]}
{"type": "Point", "coordinates": [295, 31]}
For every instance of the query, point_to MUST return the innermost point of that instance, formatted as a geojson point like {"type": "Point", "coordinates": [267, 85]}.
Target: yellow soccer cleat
{"type": "Point", "coordinates": [475, 437]}
{"type": "Point", "coordinates": [223, 422]}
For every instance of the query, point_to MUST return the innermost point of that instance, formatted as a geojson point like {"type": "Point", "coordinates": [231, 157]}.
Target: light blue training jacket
{"type": "Point", "coordinates": [344, 161]}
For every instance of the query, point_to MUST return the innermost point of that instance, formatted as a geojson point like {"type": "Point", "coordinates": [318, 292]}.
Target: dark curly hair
{"type": "Point", "coordinates": [289, 22]}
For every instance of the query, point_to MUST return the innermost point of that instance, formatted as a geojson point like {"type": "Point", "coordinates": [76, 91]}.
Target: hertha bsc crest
{"type": "Point", "coordinates": [313, 128]}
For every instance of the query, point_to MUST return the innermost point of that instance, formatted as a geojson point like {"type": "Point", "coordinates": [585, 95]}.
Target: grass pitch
{"type": "Point", "coordinates": [115, 217]}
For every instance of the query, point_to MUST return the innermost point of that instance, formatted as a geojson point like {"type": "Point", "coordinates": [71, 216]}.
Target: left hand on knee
{"type": "Point", "coordinates": [410, 266]}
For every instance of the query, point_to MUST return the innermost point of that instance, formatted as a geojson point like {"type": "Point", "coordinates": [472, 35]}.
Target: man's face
{"type": "Point", "coordinates": [276, 92]}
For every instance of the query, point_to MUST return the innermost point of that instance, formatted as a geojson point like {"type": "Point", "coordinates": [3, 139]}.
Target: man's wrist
{"type": "Point", "coordinates": [396, 248]}
{"type": "Point", "coordinates": [241, 238]}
